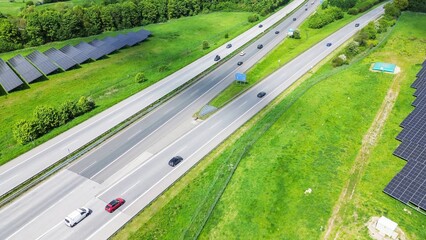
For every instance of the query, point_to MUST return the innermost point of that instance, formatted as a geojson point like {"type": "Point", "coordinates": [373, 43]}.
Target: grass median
{"type": "Point", "coordinates": [308, 139]}
{"type": "Point", "coordinates": [173, 45]}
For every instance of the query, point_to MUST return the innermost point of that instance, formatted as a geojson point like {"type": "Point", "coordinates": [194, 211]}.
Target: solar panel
{"type": "Point", "coordinates": [133, 39]}
{"type": "Point", "coordinates": [77, 55]}
{"type": "Point", "coordinates": [409, 185]}
{"type": "Point", "coordinates": [60, 58]}
{"type": "Point", "coordinates": [123, 39]}
{"type": "Point", "coordinates": [24, 68]}
{"type": "Point", "coordinates": [8, 79]}
{"type": "Point", "coordinates": [106, 48]}
{"type": "Point", "coordinates": [91, 51]}
{"type": "Point", "coordinates": [42, 62]}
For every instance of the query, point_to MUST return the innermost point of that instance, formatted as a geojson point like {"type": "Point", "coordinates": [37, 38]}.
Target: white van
{"type": "Point", "coordinates": [76, 216]}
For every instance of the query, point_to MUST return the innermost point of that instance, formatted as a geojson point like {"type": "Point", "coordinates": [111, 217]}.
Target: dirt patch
{"type": "Point", "coordinates": [368, 142]}
{"type": "Point", "coordinates": [375, 234]}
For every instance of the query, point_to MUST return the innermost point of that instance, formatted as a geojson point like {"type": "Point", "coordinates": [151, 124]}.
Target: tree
{"type": "Point", "coordinates": [401, 4]}
{"type": "Point", "coordinates": [205, 45]}
{"type": "Point", "coordinates": [392, 11]}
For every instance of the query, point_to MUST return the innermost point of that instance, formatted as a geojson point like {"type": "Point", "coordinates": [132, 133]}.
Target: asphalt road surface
{"type": "Point", "coordinates": [34, 215]}
{"type": "Point", "coordinates": [29, 164]}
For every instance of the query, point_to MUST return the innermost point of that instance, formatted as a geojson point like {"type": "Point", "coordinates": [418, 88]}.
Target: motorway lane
{"type": "Point", "coordinates": [155, 128]}
{"type": "Point", "coordinates": [151, 178]}
{"type": "Point", "coordinates": [29, 164]}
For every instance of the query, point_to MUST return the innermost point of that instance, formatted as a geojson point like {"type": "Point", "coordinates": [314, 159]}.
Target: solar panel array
{"type": "Point", "coordinates": [42, 62]}
{"type": "Point", "coordinates": [27, 71]}
{"type": "Point", "coordinates": [8, 79]}
{"type": "Point", "coordinates": [36, 64]}
{"type": "Point", "coordinates": [74, 53]}
{"type": "Point", "coordinates": [409, 185]}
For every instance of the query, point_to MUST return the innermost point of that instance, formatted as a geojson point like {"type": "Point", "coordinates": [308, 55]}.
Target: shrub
{"type": "Point", "coordinates": [226, 35]}
{"type": "Point", "coordinates": [85, 104]}
{"type": "Point", "coordinates": [140, 77]}
{"type": "Point", "coordinates": [205, 45]}
{"type": "Point", "coordinates": [296, 34]}
{"type": "Point", "coordinates": [353, 11]}
{"type": "Point", "coordinates": [25, 131]}
{"type": "Point", "coordinates": [322, 18]}
{"type": "Point", "coordinates": [47, 118]}
{"type": "Point", "coordinates": [337, 61]}
{"type": "Point", "coordinates": [253, 18]}
{"type": "Point", "coordinates": [29, 3]}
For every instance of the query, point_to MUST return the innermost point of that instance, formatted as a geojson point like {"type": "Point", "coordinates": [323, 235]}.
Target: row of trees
{"type": "Point", "coordinates": [34, 27]}
{"type": "Point", "coordinates": [46, 118]}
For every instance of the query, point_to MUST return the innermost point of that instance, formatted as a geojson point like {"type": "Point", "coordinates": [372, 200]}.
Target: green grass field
{"type": "Point", "coordinates": [307, 139]}
{"type": "Point", "coordinates": [172, 46]}
{"type": "Point", "coordinates": [12, 8]}
{"type": "Point", "coordinates": [284, 53]}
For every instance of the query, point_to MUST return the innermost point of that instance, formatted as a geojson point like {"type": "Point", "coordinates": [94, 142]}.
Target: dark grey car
{"type": "Point", "coordinates": [175, 161]}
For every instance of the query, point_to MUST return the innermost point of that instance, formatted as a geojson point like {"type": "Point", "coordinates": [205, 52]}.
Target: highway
{"type": "Point", "coordinates": [123, 151]}
{"type": "Point", "coordinates": [148, 174]}
{"type": "Point", "coordinates": [29, 164]}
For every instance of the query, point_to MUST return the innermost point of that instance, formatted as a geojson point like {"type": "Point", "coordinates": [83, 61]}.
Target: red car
{"type": "Point", "coordinates": [114, 204]}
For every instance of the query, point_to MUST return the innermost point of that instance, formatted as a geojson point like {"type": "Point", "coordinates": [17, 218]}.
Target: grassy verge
{"type": "Point", "coordinates": [174, 45]}
{"type": "Point", "coordinates": [285, 52]}
{"type": "Point", "coordinates": [307, 140]}
{"type": "Point", "coordinates": [407, 51]}
{"type": "Point", "coordinates": [12, 8]}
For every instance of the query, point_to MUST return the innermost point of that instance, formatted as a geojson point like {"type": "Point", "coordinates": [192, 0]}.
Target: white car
{"type": "Point", "coordinates": [76, 216]}
{"type": "Point", "coordinates": [242, 53]}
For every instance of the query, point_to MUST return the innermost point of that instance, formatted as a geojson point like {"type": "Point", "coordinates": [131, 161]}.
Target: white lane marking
{"type": "Point", "coordinates": [40, 214]}
{"type": "Point", "coordinates": [87, 167]}
{"type": "Point", "coordinates": [139, 131]}
{"type": "Point", "coordinates": [99, 229]}
{"type": "Point", "coordinates": [14, 176]}
{"type": "Point", "coordinates": [130, 187]}
{"type": "Point", "coordinates": [215, 124]}
{"type": "Point", "coordinates": [44, 234]}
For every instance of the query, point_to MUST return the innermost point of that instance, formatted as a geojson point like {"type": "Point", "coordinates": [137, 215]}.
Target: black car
{"type": "Point", "coordinates": [217, 58]}
{"type": "Point", "coordinates": [356, 24]}
{"type": "Point", "coordinates": [261, 94]}
{"type": "Point", "coordinates": [229, 45]}
{"type": "Point", "coordinates": [260, 46]}
{"type": "Point", "coordinates": [294, 19]}
{"type": "Point", "coordinates": [276, 32]}
{"type": "Point", "coordinates": [329, 44]}
{"type": "Point", "coordinates": [175, 161]}
{"type": "Point", "coordinates": [239, 63]}
{"type": "Point", "coordinates": [260, 25]}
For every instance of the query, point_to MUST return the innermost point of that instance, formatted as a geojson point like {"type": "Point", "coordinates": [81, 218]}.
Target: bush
{"type": "Point", "coordinates": [140, 77]}
{"type": "Point", "coordinates": [46, 118]}
{"type": "Point", "coordinates": [29, 3]}
{"type": "Point", "coordinates": [226, 35]}
{"type": "Point", "coordinates": [322, 18]}
{"type": "Point", "coordinates": [337, 61]}
{"type": "Point", "coordinates": [296, 34]}
{"type": "Point", "coordinates": [25, 131]}
{"type": "Point", "coordinates": [253, 18]}
{"type": "Point", "coordinates": [205, 45]}
{"type": "Point", "coordinates": [353, 11]}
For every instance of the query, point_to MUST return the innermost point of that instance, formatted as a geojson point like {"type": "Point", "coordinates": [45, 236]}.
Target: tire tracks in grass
{"type": "Point", "coordinates": [369, 141]}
